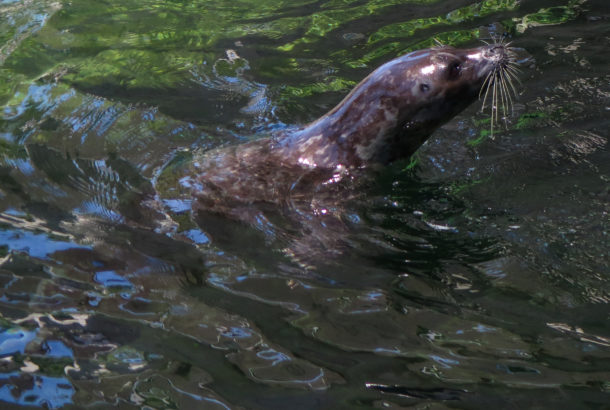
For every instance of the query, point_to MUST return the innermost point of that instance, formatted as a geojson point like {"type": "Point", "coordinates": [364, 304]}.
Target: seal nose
{"type": "Point", "coordinates": [496, 53]}
{"type": "Point", "coordinates": [496, 49]}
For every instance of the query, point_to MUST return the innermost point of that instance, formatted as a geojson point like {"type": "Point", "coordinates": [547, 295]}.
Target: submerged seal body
{"type": "Point", "coordinates": [387, 116]}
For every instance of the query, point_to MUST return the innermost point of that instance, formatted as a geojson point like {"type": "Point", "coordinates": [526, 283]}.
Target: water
{"type": "Point", "coordinates": [474, 275]}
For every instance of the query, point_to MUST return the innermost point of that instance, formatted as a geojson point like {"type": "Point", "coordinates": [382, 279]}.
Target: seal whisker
{"type": "Point", "coordinates": [510, 88]}
{"type": "Point", "coordinates": [498, 89]}
{"type": "Point", "coordinates": [497, 39]}
{"type": "Point", "coordinates": [513, 67]}
{"type": "Point", "coordinates": [513, 76]}
{"type": "Point", "coordinates": [514, 70]}
{"type": "Point", "coordinates": [493, 103]}
{"type": "Point", "coordinates": [495, 98]}
{"type": "Point", "coordinates": [502, 94]}
{"type": "Point", "coordinates": [486, 81]}
{"type": "Point", "coordinates": [488, 98]}
{"type": "Point", "coordinates": [499, 99]}
{"type": "Point", "coordinates": [505, 90]}
{"type": "Point", "coordinates": [485, 86]}
{"type": "Point", "coordinates": [510, 82]}
{"type": "Point", "coordinates": [509, 98]}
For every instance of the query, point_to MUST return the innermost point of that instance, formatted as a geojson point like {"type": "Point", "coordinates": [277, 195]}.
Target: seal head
{"type": "Point", "coordinates": [396, 108]}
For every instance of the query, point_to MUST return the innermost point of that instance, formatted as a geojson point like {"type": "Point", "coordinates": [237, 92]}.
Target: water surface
{"type": "Point", "coordinates": [473, 275]}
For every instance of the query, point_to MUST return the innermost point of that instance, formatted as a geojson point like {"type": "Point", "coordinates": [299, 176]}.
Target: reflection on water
{"type": "Point", "coordinates": [34, 390]}
{"type": "Point", "coordinates": [474, 275]}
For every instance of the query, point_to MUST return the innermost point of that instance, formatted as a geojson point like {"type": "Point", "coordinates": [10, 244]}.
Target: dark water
{"type": "Point", "coordinates": [474, 275]}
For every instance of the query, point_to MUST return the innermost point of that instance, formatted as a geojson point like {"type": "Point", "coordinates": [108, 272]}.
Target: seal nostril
{"type": "Point", "coordinates": [497, 49]}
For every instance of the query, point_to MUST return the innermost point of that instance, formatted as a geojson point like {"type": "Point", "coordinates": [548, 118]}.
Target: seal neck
{"type": "Point", "coordinates": [358, 131]}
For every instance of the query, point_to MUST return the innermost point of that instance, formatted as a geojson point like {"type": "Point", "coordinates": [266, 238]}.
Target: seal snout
{"type": "Point", "coordinates": [496, 53]}
{"type": "Point", "coordinates": [489, 59]}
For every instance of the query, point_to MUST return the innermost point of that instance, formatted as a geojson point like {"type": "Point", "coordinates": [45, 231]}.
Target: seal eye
{"type": "Point", "coordinates": [424, 87]}
{"type": "Point", "coordinates": [454, 69]}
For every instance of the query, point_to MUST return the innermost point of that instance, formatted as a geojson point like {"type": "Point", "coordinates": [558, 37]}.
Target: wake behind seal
{"type": "Point", "coordinates": [386, 117]}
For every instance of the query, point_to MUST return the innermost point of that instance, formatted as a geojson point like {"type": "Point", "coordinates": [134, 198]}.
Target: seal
{"type": "Point", "coordinates": [386, 117]}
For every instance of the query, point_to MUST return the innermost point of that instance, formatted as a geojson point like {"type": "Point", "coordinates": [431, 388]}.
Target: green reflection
{"type": "Point", "coordinates": [470, 12]}
{"type": "Point", "coordinates": [396, 48]}
{"type": "Point", "coordinates": [9, 85]}
{"type": "Point", "coordinates": [529, 120]}
{"type": "Point", "coordinates": [549, 16]}
{"type": "Point", "coordinates": [336, 84]}
{"type": "Point", "coordinates": [151, 51]}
